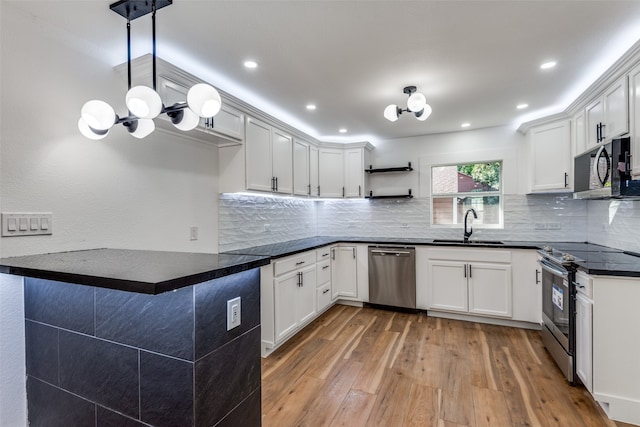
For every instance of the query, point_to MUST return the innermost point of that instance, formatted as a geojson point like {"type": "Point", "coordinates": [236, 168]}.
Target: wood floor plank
{"type": "Point", "coordinates": [386, 369]}
{"type": "Point", "coordinates": [322, 409]}
{"type": "Point", "coordinates": [355, 409]}
{"type": "Point", "coordinates": [490, 408]}
{"type": "Point", "coordinates": [424, 406]}
{"type": "Point", "coordinates": [293, 402]}
{"type": "Point", "coordinates": [388, 410]}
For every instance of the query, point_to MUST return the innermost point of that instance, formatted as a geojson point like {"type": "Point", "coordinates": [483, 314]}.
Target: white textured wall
{"type": "Point", "coordinates": [242, 220]}
{"type": "Point", "coordinates": [119, 192]}
{"type": "Point", "coordinates": [615, 223]}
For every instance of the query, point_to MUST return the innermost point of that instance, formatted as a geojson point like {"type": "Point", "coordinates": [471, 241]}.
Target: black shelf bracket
{"type": "Point", "coordinates": [382, 170]}
{"type": "Point", "coordinates": [394, 196]}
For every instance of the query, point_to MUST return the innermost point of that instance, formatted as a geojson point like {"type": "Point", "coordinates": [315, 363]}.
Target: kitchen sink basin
{"type": "Point", "coordinates": [470, 242]}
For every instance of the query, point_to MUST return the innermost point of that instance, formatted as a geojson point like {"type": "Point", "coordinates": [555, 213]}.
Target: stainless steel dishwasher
{"type": "Point", "coordinates": [392, 276]}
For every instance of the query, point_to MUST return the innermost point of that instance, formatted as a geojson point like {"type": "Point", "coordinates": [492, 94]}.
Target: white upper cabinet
{"type": "Point", "coordinates": [226, 128]}
{"type": "Point", "coordinates": [550, 157]}
{"type": "Point", "coordinates": [301, 183]}
{"type": "Point", "coordinates": [634, 118]}
{"type": "Point", "coordinates": [354, 172]}
{"type": "Point", "coordinates": [579, 135]}
{"type": "Point", "coordinates": [314, 171]}
{"type": "Point", "coordinates": [282, 161]}
{"type": "Point", "coordinates": [269, 158]}
{"type": "Point", "coordinates": [607, 116]}
{"type": "Point", "coordinates": [331, 172]}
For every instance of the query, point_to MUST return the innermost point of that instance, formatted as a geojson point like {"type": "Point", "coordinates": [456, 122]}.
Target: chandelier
{"type": "Point", "coordinates": [416, 104]}
{"type": "Point", "coordinates": [143, 102]}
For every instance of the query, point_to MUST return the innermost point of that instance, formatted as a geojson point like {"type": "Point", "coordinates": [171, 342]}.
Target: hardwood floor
{"type": "Point", "coordinates": [368, 367]}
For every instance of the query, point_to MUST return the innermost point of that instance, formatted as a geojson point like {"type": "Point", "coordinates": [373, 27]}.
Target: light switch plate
{"type": "Point", "coordinates": [26, 223]}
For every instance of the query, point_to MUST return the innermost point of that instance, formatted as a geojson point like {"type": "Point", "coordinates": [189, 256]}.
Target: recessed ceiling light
{"type": "Point", "coordinates": [465, 125]}
{"type": "Point", "coordinates": [548, 65]}
{"type": "Point", "coordinates": [311, 107]}
{"type": "Point", "coordinates": [342, 130]}
{"type": "Point", "coordinates": [251, 64]}
{"type": "Point", "coordinates": [522, 106]}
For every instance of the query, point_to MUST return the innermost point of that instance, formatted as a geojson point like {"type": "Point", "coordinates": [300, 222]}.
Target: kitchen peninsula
{"type": "Point", "coordinates": [132, 338]}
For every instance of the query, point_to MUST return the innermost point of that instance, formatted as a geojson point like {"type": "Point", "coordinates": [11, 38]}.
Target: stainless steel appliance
{"type": "Point", "coordinates": [392, 276]}
{"type": "Point", "coordinates": [558, 308]}
{"type": "Point", "coordinates": [605, 172]}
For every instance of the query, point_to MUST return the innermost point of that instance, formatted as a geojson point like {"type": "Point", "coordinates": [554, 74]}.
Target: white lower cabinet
{"type": "Point", "coordinates": [344, 277]}
{"type": "Point", "coordinates": [473, 281]}
{"type": "Point", "coordinates": [295, 300]}
{"type": "Point", "coordinates": [584, 340]}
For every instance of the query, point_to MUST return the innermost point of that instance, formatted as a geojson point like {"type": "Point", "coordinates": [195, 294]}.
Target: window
{"type": "Point", "coordinates": [457, 188]}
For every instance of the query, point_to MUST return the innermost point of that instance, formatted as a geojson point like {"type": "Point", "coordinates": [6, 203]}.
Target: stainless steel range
{"type": "Point", "coordinates": [558, 308]}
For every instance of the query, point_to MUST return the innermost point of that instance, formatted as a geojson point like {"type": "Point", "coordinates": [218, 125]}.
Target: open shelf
{"type": "Point", "coordinates": [382, 170]}
{"type": "Point", "coordinates": [394, 196]}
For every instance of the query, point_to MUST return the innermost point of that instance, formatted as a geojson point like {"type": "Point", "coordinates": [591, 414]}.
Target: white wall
{"type": "Point", "coordinates": [119, 192]}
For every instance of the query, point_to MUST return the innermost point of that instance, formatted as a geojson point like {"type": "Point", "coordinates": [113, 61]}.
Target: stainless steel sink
{"type": "Point", "coordinates": [470, 242]}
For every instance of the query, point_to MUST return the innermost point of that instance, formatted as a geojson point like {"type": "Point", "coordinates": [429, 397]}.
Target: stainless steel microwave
{"type": "Point", "coordinates": [605, 172]}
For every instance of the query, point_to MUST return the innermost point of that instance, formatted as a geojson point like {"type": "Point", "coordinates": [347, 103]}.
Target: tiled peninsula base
{"type": "Point", "coordinates": [101, 357]}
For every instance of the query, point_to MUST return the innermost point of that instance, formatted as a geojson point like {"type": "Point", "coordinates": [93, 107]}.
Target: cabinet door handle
{"type": "Point", "coordinates": [318, 191]}
{"type": "Point", "coordinates": [342, 191]}
{"type": "Point", "coordinates": [598, 132]}
{"type": "Point", "coordinates": [300, 262]}
{"type": "Point", "coordinates": [301, 279]}
{"type": "Point", "coordinates": [273, 183]}
{"type": "Point", "coordinates": [325, 267]}
{"type": "Point", "coordinates": [359, 191]}
{"type": "Point", "coordinates": [566, 180]}
{"type": "Point", "coordinates": [324, 255]}
{"type": "Point", "coordinates": [537, 276]}
{"type": "Point", "coordinates": [333, 254]}
{"type": "Point", "coordinates": [309, 190]}
{"type": "Point", "coordinates": [465, 271]}
{"type": "Point", "coordinates": [469, 271]}
{"type": "Point", "coordinates": [325, 291]}
{"type": "Point", "coordinates": [354, 253]}
{"type": "Point", "coordinates": [276, 183]}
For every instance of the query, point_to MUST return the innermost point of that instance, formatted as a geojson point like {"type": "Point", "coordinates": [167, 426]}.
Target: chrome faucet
{"type": "Point", "coordinates": [468, 234]}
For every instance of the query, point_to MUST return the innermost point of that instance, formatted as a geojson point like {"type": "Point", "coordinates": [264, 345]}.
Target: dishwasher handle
{"type": "Point", "coordinates": [378, 252]}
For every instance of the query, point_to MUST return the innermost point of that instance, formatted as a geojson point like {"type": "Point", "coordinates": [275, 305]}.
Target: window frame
{"type": "Point", "coordinates": [472, 194]}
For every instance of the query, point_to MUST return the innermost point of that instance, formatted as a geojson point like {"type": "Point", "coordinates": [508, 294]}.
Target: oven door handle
{"type": "Point", "coordinates": [546, 265]}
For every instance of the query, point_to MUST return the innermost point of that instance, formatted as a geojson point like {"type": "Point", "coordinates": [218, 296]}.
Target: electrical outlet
{"type": "Point", "coordinates": [554, 226]}
{"type": "Point", "coordinates": [540, 226]}
{"type": "Point", "coordinates": [267, 228]}
{"type": "Point", "coordinates": [193, 233]}
{"type": "Point", "coordinates": [234, 311]}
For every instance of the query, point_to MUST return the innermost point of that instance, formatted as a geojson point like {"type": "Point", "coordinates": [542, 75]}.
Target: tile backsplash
{"type": "Point", "coordinates": [248, 220]}
{"type": "Point", "coordinates": [615, 223]}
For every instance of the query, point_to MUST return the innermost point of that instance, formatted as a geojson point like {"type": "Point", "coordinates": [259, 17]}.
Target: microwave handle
{"type": "Point", "coordinates": [596, 172]}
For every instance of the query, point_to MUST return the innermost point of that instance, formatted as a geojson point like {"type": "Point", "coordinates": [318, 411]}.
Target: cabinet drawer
{"type": "Point", "coordinates": [324, 271]}
{"type": "Point", "coordinates": [323, 253]}
{"type": "Point", "coordinates": [584, 284]}
{"type": "Point", "coordinates": [323, 296]}
{"type": "Point", "coordinates": [294, 262]}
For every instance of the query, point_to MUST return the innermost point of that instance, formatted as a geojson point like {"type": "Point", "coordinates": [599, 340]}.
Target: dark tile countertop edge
{"type": "Point", "coordinates": [139, 271]}
{"type": "Point", "coordinates": [292, 247]}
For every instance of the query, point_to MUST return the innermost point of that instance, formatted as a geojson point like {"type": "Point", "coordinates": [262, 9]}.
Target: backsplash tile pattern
{"type": "Point", "coordinates": [242, 219]}
{"type": "Point", "coordinates": [614, 223]}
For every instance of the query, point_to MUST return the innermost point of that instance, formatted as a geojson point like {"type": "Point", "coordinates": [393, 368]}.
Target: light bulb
{"type": "Point", "coordinates": [426, 112]}
{"type": "Point", "coordinates": [91, 133]}
{"type": "Point", "coordinates": [188, 121]}
{"type": "Point", "coordinates": [416, 102]}
{"type": "Point", "coordinates": [98, 115]}
{"type": "Point", "coordinates": [143, 129]}
{"type": "Point", "coordinates": [391, 113]}
{"type": "Point", "coordinates": [204, 100]}
{"type": "Point", "coordinates": [143, 102]}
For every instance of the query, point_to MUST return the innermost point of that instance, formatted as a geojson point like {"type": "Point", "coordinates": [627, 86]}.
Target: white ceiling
{"type": "Point", "coordinates": [474, 60]}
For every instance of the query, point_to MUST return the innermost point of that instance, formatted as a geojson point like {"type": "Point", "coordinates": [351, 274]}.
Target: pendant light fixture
{"type": "Point", "coordinates": [144, 103]}
{"type": "Point", "coordinates": [416, 104]}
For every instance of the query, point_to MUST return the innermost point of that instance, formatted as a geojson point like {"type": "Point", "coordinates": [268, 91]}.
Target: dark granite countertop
{"type": "Point", "coordinates": [601, 260]}
{"type": "Point", "coordinates": [147, 272]}
{"type": "Point", "coordinates": [291, 247]}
